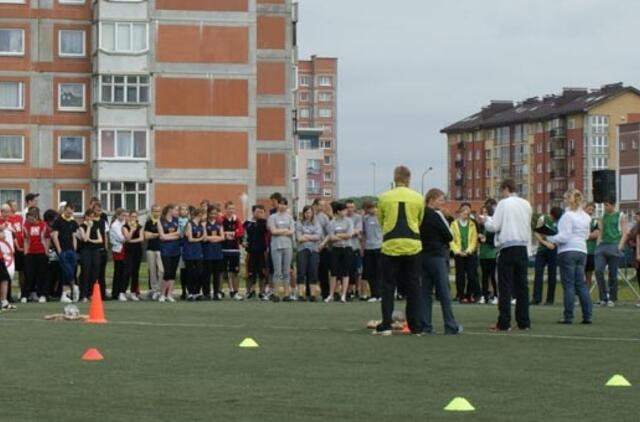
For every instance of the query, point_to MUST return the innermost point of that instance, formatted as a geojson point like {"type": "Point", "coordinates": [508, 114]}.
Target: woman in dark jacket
{"type": "Point", "coordinates": [436, 235]}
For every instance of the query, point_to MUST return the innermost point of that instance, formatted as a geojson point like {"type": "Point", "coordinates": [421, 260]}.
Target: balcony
{"type": "Point", "coordinates": [460, 145]}
{"type": "Point", "coordinates": [313, 190]}
{"type": "Point", "coordinates": [558, 174]}
{"type": "Point", "coordinates": [558, 133]}
{"type": "Point", "coordinates": [459, 182]}
{"type": "Point", "coordinates": [557, 194]}
{"type": "Point", "coordinates": [559, 154]}
{"type": "Point", "coordinates": [313, 170]}
{"type": "Point", "coordinates": [459, 164]}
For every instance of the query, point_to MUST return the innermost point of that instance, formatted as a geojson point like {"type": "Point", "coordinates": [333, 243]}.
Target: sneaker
{"type": "Point", "coordinates": [638, 305]}
{"type": "Point", "coordinates": [217, 296]}
{"type": "Point", "coordinates": [312, 298]}
{"type": "Point", "coordinates": [75, 293]}
{"type": "Point", "coordinates": [343, 299]}
{"type": "Point", "coordinates": [23, 300]}
{"type": "Point", "coordinates": [238, 296]}
{"type": "Point", "coordinates": [267, 296]}
{"type": "Point", "coordinates": [286, 299]}
{"type": "Point", "coordinates": [586, 322]}
{"type": "Point", "coordinates": [453, 333]}
{"type": "Point", "coordinates": [382, 331]}
{"type": "Point", "coordinates": [293, 298]}
{"type": "Point", "coordinates": [364, 299]}
{"type": "Point", "coordinates": [513, 301]}
{"type": "Point", "coordinates": [134, 297]}
{"type": "Point", "coordinates": [6, 306]}
{"type": "Point", "coordinates": [171, 299]}
{"type": "Point", "coordinates": [276, 299]}
{"type": "Point", "coordinates": [33, 297]}
{"type": "Point", "coordinates": [260, 296]}
{"type": "Point", "coordinates": [329, 299]}
{"type": "Point", "coordinates": [251, 295]}
{"type": "Point", "coordinates": [191, 298]}
{"type": "Point", "coordinates": [372, 300]}
{"type": "Point", "coordinates": [64, 298]}
{"type": "Point", "coordinates": [602, 303]}
{"type": "Point", "coordinates": [495, 329]}
{"type": "Point", "coordinates": [162, 299]}
{"type": "Point", "coordinates": [155, 296]}
{"type": "Point", "coordinates": [611, 304]}
{"type": "Point", "coordinates": [43, 299]}
{"type": "Point", "coordinates": [482, 301]}
{"type": "Point", "coordinates": [565, 321]}
{"type": "Point", "coordinates": [83, 300]}
{"type": "Point", "coordinates": [494, 301]}
{"type": "Point", "coordinates": [122, 297]}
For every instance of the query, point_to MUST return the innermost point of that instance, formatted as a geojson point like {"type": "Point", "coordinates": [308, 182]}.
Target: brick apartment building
{"type": "Point", "coordinates": [629, 165]}
{"type": "Point", "coordinates": [146, 101]}
{"type": "Point", "coordinates": [317, 112]}
{"type": "Point", "coordinates": [547, 145]}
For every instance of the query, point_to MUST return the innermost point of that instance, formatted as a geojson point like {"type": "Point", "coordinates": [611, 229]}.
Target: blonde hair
{"type": "Point", "coordinates": [574, 199]}
{"type": "Point", "coordinates": [433, 194]}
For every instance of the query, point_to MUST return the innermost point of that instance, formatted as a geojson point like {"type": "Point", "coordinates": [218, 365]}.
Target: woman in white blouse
{"type": "Point", "coordinates": [573, 231]}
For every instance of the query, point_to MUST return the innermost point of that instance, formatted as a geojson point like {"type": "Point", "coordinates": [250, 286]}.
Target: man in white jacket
{"type": "Point", "coordinates": [512, 224]}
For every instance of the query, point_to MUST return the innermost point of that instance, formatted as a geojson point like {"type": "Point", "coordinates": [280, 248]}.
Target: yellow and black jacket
{"type": "Point", "coordinates": [400, 213]}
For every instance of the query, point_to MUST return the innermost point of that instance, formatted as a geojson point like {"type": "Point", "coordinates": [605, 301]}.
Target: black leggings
{"type": "Point", "coordinates": [211, 268]}
{"type": "Point", "coordinates": [132, 260]}
{"type": "Point", "coordinates": [170, 264]}
{"type": "Point", "coordinates": [90, 271]}
{"type": "Point", "coordinates": [488, 267]}
{"type": "Point", "coordinates": [36, 275]}
{"type": "Point", "coordinates": [194, 276]}
{"type": "Point", "coordinates": [118, 279]}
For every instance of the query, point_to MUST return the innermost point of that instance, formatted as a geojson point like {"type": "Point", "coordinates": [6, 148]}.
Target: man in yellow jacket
{"type": "Point", "coordinates": [464, 247]}
{"type": "Point", "coordinates": [400, 213]}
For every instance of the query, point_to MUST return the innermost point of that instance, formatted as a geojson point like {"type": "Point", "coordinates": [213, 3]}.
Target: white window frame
{"type": "Point", "coordinates": [82, 205]}
{"type": "Point", "coordinates": [116, 24]}
{"type": "Point", "coordinates": [71, 2]}
{"type": "Point", "coordinates": [304, 113]}
{"type": "Point", "coordinates": [321, 78]}
{"type": "Point", "coordinates": [304, 80]}
{"type": "Point", "coordinates": [329, 116]}
{"type": "Point", "coordinates": [327, 193]}
{"type": "Point", "coordinates": [115, 146]}
{"type": "Point", "coordinates": [84, 43]}
{"type": "Point", "coordinates": [330, 178]}
{"type": "Point", "coordinates": [68, 160]}
{"type": "Point", "coordinates": [14, 160]}
{"type": "Point", "coordinates": [84, 98]}
{"type": "Point", "coordinates": [14, 53]}
{"type": "Point", "coordinates": [330, 160]}
{"type": "Point", "coordinates": [20, 199]}
{"type": "Point", "coordinates": [13, 1]}
{"type": "Point", "coordinates": [20, 95]}
{"type": "Point", "coordinates": [122, 192]}
{"type": "Point", "coordinates": [325, 97]}
{"type": "Point", "coordinates": [126, 89]}
{"type": "Point", "coordinates": [326, 144]}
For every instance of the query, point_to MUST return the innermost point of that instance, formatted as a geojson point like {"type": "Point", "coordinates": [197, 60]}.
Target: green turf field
{"type": "Point", "coordinates": [316, 362]}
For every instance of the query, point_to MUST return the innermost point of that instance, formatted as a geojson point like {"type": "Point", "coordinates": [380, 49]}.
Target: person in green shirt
{"type": "Point", "coordinates": [592, 242]}
{"type": "Point", "coordinates": [546, 257]}
{"type": "Point", "coordinates": [465, 250]}
{"type": "Point", "coordinates": [488, 254]}
{"type": "Point", "coordinates": [611, 241]}
{"type": "Point", "coordinates": [400, 213]}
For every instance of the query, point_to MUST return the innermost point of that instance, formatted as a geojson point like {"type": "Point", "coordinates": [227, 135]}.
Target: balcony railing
{"type": "Point", "coordinates": [558, 132]}
{"type": "Point", "coordinates": [559, 153]}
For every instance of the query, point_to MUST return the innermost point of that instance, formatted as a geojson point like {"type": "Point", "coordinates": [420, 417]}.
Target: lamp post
{"type": "Point", "coordinates": [373, 164]}
{"type": "Point", "coordinates": [422, 181]}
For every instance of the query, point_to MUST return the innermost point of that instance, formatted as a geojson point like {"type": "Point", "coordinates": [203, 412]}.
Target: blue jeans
{"type": "Point", "coordinates": [545, 258]}
{"type": "Point", "coordinates": [67, 266]}
{"type": "Point", "coordinates": [436, 274]}
{"type": "Point", "coordinates": [607, 254]}
{"type": "Point", "coordinates": [572, 276]}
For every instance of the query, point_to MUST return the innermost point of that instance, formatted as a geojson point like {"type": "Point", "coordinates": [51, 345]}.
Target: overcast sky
{"type": "Point", "coordinates": [408, 68]}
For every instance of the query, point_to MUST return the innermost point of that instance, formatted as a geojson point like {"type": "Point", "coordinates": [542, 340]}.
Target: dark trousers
{"type": "Point", "coordinates": [132, 260]}
{"type": "Point", "coordinates": [323, 271]}
{"type": "Point", "coordinates": [372, 271]}
{"type": "Point", "coordinates": [55, 279]}
{"type": "Point", "coordinates": [118, 278]}
{"type": "Point", "coordinates": [256, 269]}
{"type": "Point", "coordinates": [67, 261]}
{"type": "Point", "coordinates": [90, 269]}
{"type": "Point", "coordinates": [401, 271]}
{"type": "Point", "coordinates": [435, 274]}
{"type": "Point", "coordinates": [36, 273]}
{"type": "Point", "coordinates": [211, 269]}
{"type": "Point", "coordinates": [307, 267]}
{"type": "Point", "coordinates": [512, 281]}
{"type": "Point", "coordinates": [545, 258]}
{"type": "Point", "coordinates": [354, 270]}
{"type": "Point", "coordinates": [194, 274]}
{"type": "Point", "coordinates": [102, 272]}
{"type": "Point", "coordinates": [488, 267]}
{"type": "Point", "coordinates": [467, 277]}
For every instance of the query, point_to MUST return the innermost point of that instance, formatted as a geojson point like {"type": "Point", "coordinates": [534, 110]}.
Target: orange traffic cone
{"type": "Point", "coordinates": [92, 354]}
{"type": "Point", "coordinates": [405, 329]}
{"type": "Point", "coordinates": [96, 311]}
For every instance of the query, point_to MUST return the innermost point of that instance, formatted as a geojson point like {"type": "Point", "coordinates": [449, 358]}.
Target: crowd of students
{"type": "Point", "coordinates": [331, 251]}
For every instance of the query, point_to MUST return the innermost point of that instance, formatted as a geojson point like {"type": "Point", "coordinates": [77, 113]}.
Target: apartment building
{"type": "Point", "coordinates": [146, 101]}
{"type": "Point", "coordinates": [547, 145]}
{"type": "Point", "coordinates": [629, 165]}
{"type": "Point", "coordinates": [317, 99]}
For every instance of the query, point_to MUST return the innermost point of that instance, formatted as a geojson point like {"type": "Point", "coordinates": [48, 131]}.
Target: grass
{"type": "Point", "coordinates": [315, 362]}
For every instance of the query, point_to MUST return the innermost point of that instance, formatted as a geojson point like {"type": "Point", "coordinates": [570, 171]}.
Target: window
{"type": "Point", "coordinates": [327, 193]}
{"type": "Point", "coordinates": [304, 113]}
{"type": "Point", "coordinates": [313, 166]}
{"type": "Point", "coordinates": [477, 173]}
{"type": "Point", "coordinates": [74, 197]}
{"type": "Point", "coordinates": [11, 42]}
{"type": "Point", "coordinates": [623, 145]}
{"type": "Point", "coordinates": [71, 149]}
{"type": "Point", "coordinates": [304, 96]}
{"type": "Point", "coordinates": [469, 194]}
{"type": "Point", "coordinates": [487, 154]}
{"type": "Point", "coordinates": [123, 144]}
{"type": "Point", "coordinates": [71, 97]}
{"type": "Point", "coordinates": [13, 2]}
{"type": "Point", "coordinates": [325, 97]}
{"type": "Point", "coordinates": [11, 97]}
{"type": "Point", "coordinates": [477, 192]}
{"type": "Point", "coordinates": [325, 81]}
{"type": "Point", "coordinates": [130, 89]}
{"type": "Point", "coordinates": [327, 129]}
{"type": "Point", "coordinates": [71, 1]}
{"type": "Point", "coordinates": [11, 149]}
{"type": "Point", "coordinates": [469, 176]}
{"type": "Point", "coordinates": [634, 144]}
{"type": "Point", "coordinates": [539, 188]}
{"type": "Point", "coordinates": [539, 148]}
{"type": "Point", "coordinates": [487, 172]}
{"type": "Point", "coordinates": [470, 155]}
{"type": "Point", "coordinates": [71, 43]}
{"type": "Point", "coordinates": [304, 80]}
{"type": "Point", "coordinates": [309, 143]}
{"type": "Point", "coordinates": [571, 123]}
{"type": "Point", "coordinates": [326, 144]}
{"type": "Point", "coordinates": [313, 188]}
{"type": "Point", "coordinates": [124, 37]}
{"type": "Point", "coordinates": [325, 113]}
{"type": "Point", "coordinates": [11, 195]}
{"type": "Point", "coordinates": [127, 195]}
{"type": "Point", "coordinates": [539, 168]}
{"type": "Point", "coordinates": [327, 160]}
{"type": "Point", "coordinates": [477, 154]}
{"type": "Point", "coordinates": [328, 176]}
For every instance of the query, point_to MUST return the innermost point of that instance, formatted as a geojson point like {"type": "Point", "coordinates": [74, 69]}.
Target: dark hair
{"type": "Point", "coordinates": [316, 202]}
{"type": "Point", "coordinates": [275, 196]}
{"type": "Point", "coordinates": [283, 201]}
{"type": "Point", "coordinates": [89, 213]}
{"type": "Point", "coordinates": [337, 206]}
{"type": "Point", "coordinates": [490, 201]}
{"type": "Point", "coordinates": [465, 204]}
{"type": "Point", "coordinates": [367, 205]}
{"type": "Point", "coordinates": [166, 210]}
{"type": "Point", "coordinates": [609, 200]}
{"type": "Point", "coordinates": [34, 212]}
{"type": "Point", "coordinates": [213, 208]}
{"type": "Point", "coordinates": [69, 206]}
{"type": "Point", "coordinates": [349, 202]}
{"type": "Point", "coordinates": [304, 211]}
{"type": "Point", "coordinates": [509, 185]}
{"type": "Point", "coordinates": [50, 216]}
{"type": "Point", "coordinates": [257, 207]}
{"type": "Point", "coordinates": [556, 213]}
{"type": "Point", "coordinates": [433, 194]}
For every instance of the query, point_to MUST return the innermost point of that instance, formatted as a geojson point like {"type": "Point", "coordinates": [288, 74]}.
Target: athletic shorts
{"type": "Point", "coordinates": [170, 264]}
{"type": "Point", "coordinates": [371, 264]}
{"type": "Point", "coordinates": [18, 260]}
{"type": "Point", "coordinates": [590, 263]}
{"type": "Point", "coordinates": [257, 263]}
{"type": "Point", "coordinates": [231, 263]}
{"type": "Point", "coordinates": [4, 274]}
{"type": "Point", "coordinates": [341, 261]}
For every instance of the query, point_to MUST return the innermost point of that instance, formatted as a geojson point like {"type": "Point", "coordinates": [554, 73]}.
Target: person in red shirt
{"type": "Point", "coordinates": [16, 222]}
{"type": "Point", "coordinates": [4, 277]}
{"type": "Point", "coordinates": [36, 246]}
